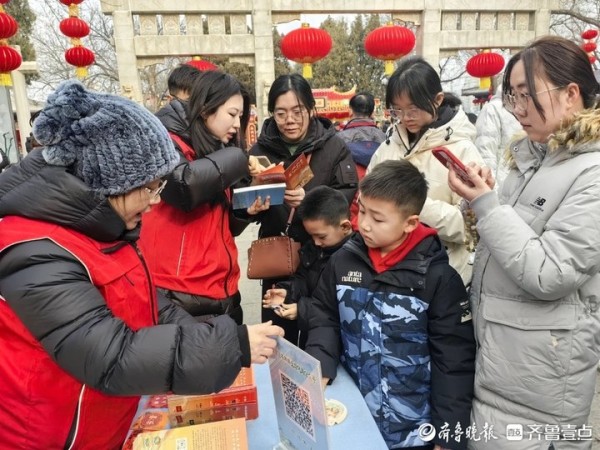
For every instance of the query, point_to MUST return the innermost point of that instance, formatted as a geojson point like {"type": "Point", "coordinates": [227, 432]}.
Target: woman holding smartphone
{"type": "Point", "coordinates": [536, 280]}
{"type": "Point", "coordinates": [425, 117]}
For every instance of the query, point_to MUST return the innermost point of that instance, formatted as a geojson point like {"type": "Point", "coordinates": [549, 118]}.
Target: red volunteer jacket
{"type": "Point", "coordinates": [192, 252]}
{"type": "Point", "coordinates": [40, 401]}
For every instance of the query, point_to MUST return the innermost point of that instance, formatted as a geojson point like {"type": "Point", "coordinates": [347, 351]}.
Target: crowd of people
{"type": "Point", "coordinates": [119, 272]}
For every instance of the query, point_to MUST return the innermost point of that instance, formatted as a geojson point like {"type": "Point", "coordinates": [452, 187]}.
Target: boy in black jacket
{"type": "Point", "coordinates": [326, 218]}
{"type": "Point", "coordinates": [389, 306]}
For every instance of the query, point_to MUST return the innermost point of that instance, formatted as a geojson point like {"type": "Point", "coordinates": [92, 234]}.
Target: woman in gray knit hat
{"type": "Point", "coordinates": [82, 330]}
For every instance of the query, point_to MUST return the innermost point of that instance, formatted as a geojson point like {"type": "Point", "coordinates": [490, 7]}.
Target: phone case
{"type": "Point", "coordinates": [447, 158]}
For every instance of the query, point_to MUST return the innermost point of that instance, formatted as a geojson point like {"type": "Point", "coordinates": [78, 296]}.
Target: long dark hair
{"type": "Point", "coordinates": [561, 62]}
{"type": "Point", "coordinates": [209, 92]}
{"type": "Point", "coordinates": [298, 85]}
{"type": "Point", "coordinates": [417, 79]}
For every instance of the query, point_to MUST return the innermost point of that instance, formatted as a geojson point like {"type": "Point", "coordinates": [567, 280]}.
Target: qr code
{"type": "Point", "coordinates": [297, 405]}
{"type": "Point", "coordinates": [181, 444]}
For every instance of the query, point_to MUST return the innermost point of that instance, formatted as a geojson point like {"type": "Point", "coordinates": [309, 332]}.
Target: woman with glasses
{"type": "Point", "coordinates": [536, 283]}
{"type": "Point", "coordinates": [188, 240]}
{"type": "Point", "coordinates": [293, 129]}
{"type": "Point", "coordinates": [424, 117]}
{"type": "Point", "coordinates": [83, 332]}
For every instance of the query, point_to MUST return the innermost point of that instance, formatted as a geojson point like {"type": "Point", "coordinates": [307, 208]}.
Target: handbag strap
{"type": "Point", "coordinates": [293, 210]}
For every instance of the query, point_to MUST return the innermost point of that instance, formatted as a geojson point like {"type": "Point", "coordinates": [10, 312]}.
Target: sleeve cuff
{"type": "Point", "coordinates": [246, 359]}
{"type": "Point", "coordinates": [484, 204]}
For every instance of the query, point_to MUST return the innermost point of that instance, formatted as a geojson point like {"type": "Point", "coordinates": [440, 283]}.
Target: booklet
{"type": "Point", "coordinates": [299, 399]}
{"type": "Point", "coordinates": [244, 197]}
{"type": "Point", "coordinates": [295, 176]}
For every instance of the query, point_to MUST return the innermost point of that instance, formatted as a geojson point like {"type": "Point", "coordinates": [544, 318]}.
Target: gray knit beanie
{"type": "Point", "coordinates": [113, 144]}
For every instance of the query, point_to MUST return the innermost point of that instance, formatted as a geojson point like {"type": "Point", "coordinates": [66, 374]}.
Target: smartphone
{"type": "Point", "coordinates": [447, 158]}
{"type": "Point", "coordinates": [263, 161]}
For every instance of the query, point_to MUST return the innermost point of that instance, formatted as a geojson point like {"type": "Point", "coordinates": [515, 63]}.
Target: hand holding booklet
{"type": "Point", "coordinates": [273, 182]}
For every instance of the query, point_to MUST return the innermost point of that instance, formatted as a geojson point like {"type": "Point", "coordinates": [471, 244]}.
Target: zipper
{"type": "Point", "coordinates": [153, 301]}
{"type": "Point", "coordinates": [229, 258]}
{"type": "Point", "coordinates": [69, 445]}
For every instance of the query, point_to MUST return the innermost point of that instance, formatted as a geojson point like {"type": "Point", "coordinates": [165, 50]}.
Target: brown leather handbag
{"type": "Point", "coordinates": [273, 257]}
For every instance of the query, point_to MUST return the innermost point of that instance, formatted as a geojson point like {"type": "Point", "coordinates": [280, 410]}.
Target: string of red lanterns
{"type": "Point", "coordinates": [588, 45]}
{"type": "Point", "coordinates": [485, 65]}
{"type": "Point", "coordinates": [10, 59]}
{"type": "Point", "coordinates": [306, 45]}
{"type": "Point", "coordinates": [76, 29]}
{"type": "Point", "coordinates": [388, 43]}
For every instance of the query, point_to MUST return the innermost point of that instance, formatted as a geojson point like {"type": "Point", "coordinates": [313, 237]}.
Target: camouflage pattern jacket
{"type": "Point", "coordinates": [405, 336]}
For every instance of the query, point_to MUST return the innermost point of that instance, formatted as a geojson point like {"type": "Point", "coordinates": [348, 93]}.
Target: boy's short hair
{"type": "Point", "coordinates": [397, 181]}
{"type": "Point", "coordinates": [181, 79]}
{"type": "Point", "coordinates": [324, 203]}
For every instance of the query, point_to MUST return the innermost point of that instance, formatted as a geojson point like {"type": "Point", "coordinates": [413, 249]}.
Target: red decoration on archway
{"type": "Point", "coordinates": [10, 59]}
{"type": "Point", "coordinates": [306, 46]}
{"type": "Point", "coordinates": [75, 28]}
{"type": "Point", "coordinates": [388, 43]}
{"type": "Point", "coordinates": [589, 34]}
{"type": "Point", "coordinates": [201, 64]}
{"type": "Point", "coordinates": [485, 65]}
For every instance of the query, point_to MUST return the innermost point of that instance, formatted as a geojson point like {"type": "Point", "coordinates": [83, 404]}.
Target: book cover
{"type": "Point", "coordinates": [248, 411]}
{"type": "Point", "coordinates": [295, 176]}
{"type": "Point", "coordinates": [244, 197]}
{"type": "Point", "coordinates": [243, 390]}
{"type": "Point", "coordinates": [299, 399]}
{"type": "Point", "coordinates": [223, 435]}
{"type": "Point", "coordinates": [298, 173]}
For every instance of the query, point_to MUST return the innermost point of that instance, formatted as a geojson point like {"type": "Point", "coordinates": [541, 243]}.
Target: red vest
{"type": "Point", "coordinates": [192, 252]}
{"type": "Point", "coordinates": [39, 401]}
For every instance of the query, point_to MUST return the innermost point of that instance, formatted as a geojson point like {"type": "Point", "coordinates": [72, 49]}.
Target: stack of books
{"type": "Point", "coordinates": [159, 413]}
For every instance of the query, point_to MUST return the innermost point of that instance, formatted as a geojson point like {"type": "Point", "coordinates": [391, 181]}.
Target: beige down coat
{"type": "Point", "coordinates": [442, 209]}
{"type": "Point", "coordinates": [536, 292]}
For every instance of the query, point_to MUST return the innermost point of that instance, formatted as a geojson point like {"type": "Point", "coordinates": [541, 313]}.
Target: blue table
{"type": "Point", "coordinates": [358, 430]}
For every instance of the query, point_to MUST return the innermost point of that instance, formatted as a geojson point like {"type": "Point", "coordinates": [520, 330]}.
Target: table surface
{"type": "Point", "coordinates": [358, 430]}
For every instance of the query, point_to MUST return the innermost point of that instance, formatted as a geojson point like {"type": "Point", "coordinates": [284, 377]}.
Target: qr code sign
{"type": "Point", "coordinates": [297, 405]}
{"type": "Point", "coordinates": [181, 444]}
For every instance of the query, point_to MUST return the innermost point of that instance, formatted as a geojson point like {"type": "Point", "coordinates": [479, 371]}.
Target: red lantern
{"type": "Point", "coordinates": [588, 47]}
{"type": "Point", "coordinates": [201, 64]}
{"type": "Point", "coordinates": [80, 57]}
{"type": "Point", "coordinates": [484, 66]}
{"type": "Point", "coordinates": [10, 60]}
{"type": "Point", "coordinates": [390, 42]}
{"type": "Point", "coordinates": [592, 59]}
{"type": "Point", "coordinates": [8, 26]}
{"type": "Point", "coordinates": [74, 27]}
{"type": "Point", "coordinates": [589, 34]}
{"type": "Point", "coordinates": [306, 46]}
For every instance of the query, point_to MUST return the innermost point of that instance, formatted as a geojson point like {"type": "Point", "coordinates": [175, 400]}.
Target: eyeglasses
{"type": "Point", "coordinates": [153, 193]}
{"type": "Point", "coordinates": [399, 114]}
{"type": "Point", "coordinates": [296, 114]}
{"type": "Point", "coordinates": [521, 99]}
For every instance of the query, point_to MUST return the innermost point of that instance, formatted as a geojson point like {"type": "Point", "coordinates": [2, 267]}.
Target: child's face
{"type": "Point", "coordinates": [325, 235]}
{"type": "Point", "coordinates": [382, 224]}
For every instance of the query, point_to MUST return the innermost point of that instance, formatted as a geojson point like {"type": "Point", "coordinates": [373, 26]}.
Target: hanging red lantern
{"type": "Point", "coordinates": [388, 43]}
{"type": "Point", "coordinates": [8, 26]}
{"type": "Point", "coordinates": [484, 66]}
{"type": "Point", "coordinates": [588, 45]}
{"type": "Point", "coordinates": [10, 59]}
{"type": "Point", "coordinates": [75, 28]}
{"type": "Point", "coordinates": [589, 34]}
{"type": "Point", "coordinates": [306, 46]}
{"type": "Point", "coordinates": [201, 64]}
{"type": "Point", "coordinates": [80, 57]}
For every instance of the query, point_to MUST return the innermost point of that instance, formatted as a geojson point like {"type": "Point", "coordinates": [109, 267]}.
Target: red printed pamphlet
{"type": "Point", "coordinates": [248, 411]}
{"type": "Point", "coordinates": [295, 176]}
{"type": "Point", "coordinates": [223, 435]}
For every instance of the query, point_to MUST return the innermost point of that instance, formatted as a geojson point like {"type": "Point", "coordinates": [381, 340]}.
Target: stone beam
{"type": "Point", "coordinates": [477, 39]}
{"type": "Point", "coordinates": [206, 45]}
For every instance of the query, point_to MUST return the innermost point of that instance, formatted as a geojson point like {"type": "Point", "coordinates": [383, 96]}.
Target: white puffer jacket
{"type": "Point", "coordinates": [442, 209]}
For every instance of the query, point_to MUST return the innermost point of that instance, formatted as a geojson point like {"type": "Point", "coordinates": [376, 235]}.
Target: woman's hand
{"type": "Point", "coordinates": [286, 311]}
{"type": "Point", "coordinates": [481, 178]}
{"type": "Point", "coordinates": [262, 342]}
{"type": "Point", "coordinates": [259, 206]}
{"type": "Point", "coordinates": [255, 167]}
{"type": "Point", "coordinates": [293, 197]}
{"type": "Point", "coordinates": [274, 297]}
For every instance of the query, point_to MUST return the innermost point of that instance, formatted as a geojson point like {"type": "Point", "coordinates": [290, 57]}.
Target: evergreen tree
{"type": "Point", "coordinates": [21, 12]}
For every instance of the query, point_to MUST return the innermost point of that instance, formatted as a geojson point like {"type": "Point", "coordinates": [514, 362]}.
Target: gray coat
{"type": "Point", "coordinates": [536, 288]}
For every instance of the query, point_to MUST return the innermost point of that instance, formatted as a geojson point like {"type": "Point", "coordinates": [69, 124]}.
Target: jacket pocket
{"type": "Point", "coordinates": [526, 349]}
